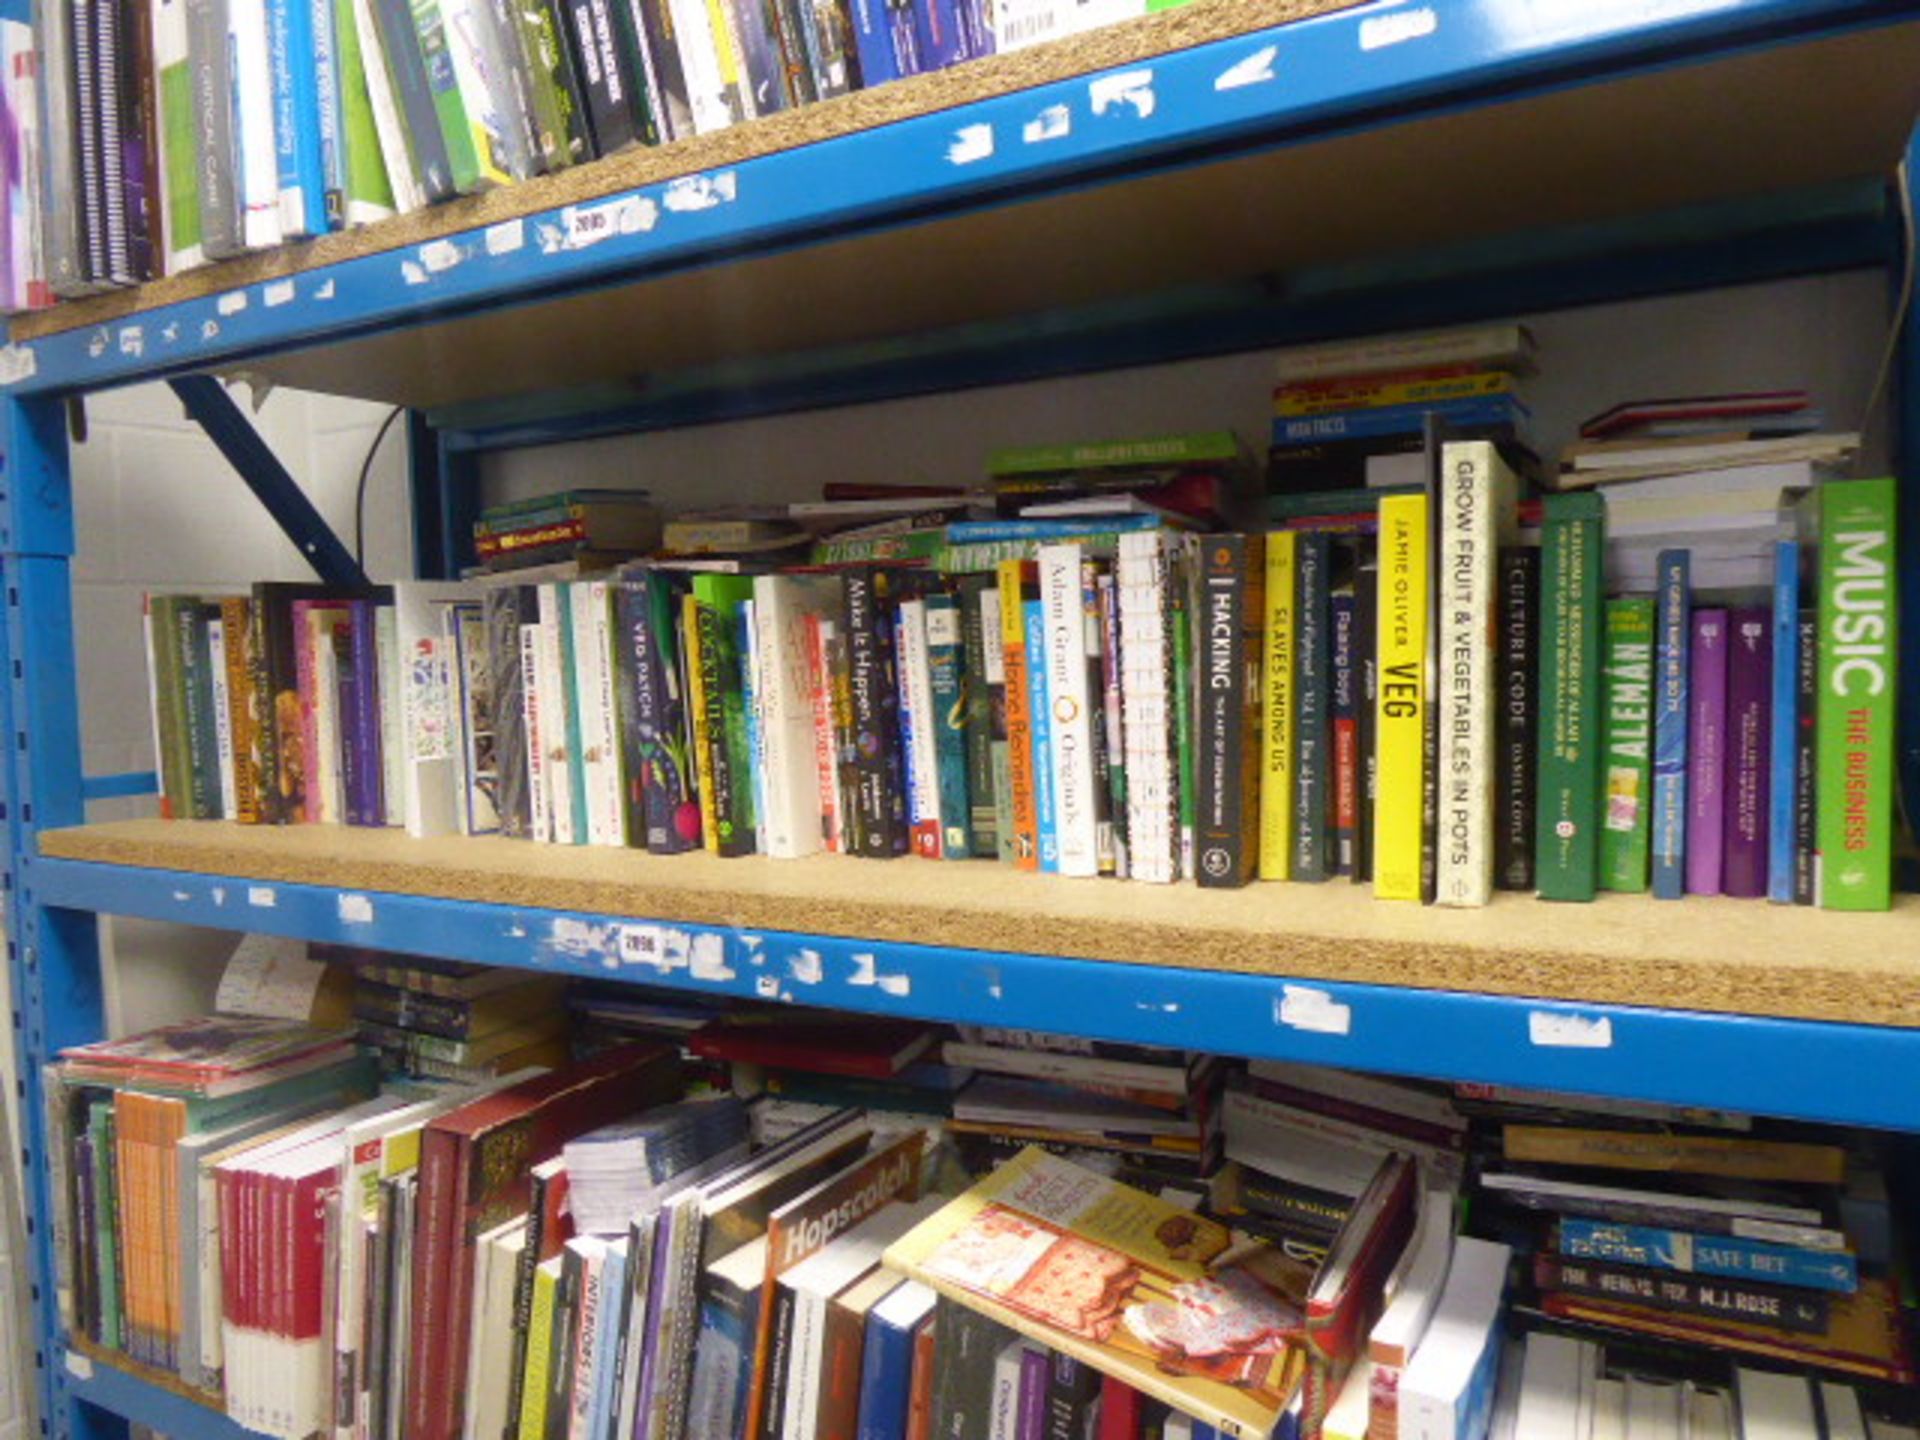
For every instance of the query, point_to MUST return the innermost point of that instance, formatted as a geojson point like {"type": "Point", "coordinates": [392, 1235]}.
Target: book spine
{"type": "Point", "coordinates": [1707, 752]}
{"type": "Point", "coordinates": [1566, 831]}
{"type": "Point", "coordinates": [736, 89]}
{"type": "Point", "coordinates": [795, 49]}
{"type": "Point", "coordinates": [562, 136]}
{"type": "Point", "coordinates": [1143, 579]}
{"type": "Point", "coordinates": [822, 638]}
{"type": "Point", "coordinates": [1366, 669]}
{"type": "Point", "coordinates": [1749, 743]}
{"type": "Point", "coordinates": [252, 83]}
{"type": "Point", "coordinates": [1400, 710]}
{"type": "Point", "coordinates": [1107, 845]}
{"type": "Point", "coordinates": [606, 768]}
{"type": "Point", "coordinates": [506, 669]}
{"type": "Point", "coordinates": [1474, 412]}
{"type": "Point", "coordinates": [1857, 693]}
{"type": "Point", "coordinates": [917, 743]}
{"type": "Point", "coordinates": [979, 660]}
{"type": "Point", "coordinates": [419, 121]}
{"type": "Point", "coordinates": [1312, 722]}
{"type": "Point", "coordinates": [1726, 1256]}
{"type": "Point", "coordinates": [1624, 825]}
{"type": "Point", "coordinates": [763, 75]}
{"type": "Point", "coordinates": [993, 681]}
{"type": "Point", "coordinates": [385, 683]}
{"type": "Point", "coordinates": [606, 80]}
{"type": "Point", "coordinates": [196, 672]}
{"type": "Point", "coordinates": [1804, 1312]}
{"type": "Point", "coordinates": [294, 61]}
{"type": "Point", "coordinates": [874, 47]}
{"type": "Point", "coordinates": [222, 711]}
{"type": "Point", "coordinates": [878, 811]}
{"type": "Point", "coordinates": [557, 618]}
{"type": "Point", "coordinates": [1672, 711]}
{"type": "Point", "coordinates": [727, 746]}
{"type": "Point", "coordinates": [947, 722]}
{"type": "Point", "coordinates": [1233, 607]}
{"type": "Point", "coordinates": [1186, 718]}
{"type": "Point", "coordinates": [539, 805]}
{"type": "Point", "coordinates": [442, 72]}
{"type": "Point", "coordinates": [1344, 802]}
{"type": "Point", "coordinates": [1783, 723]}
{"type": "Point", "coordinates": [1113, 746]}
{"type": "Point", "coordinates": [699, 51]}
{"type": "Point", "coordinates": [1518, 738]}
{"type": "Point", "coordinates": [1278, 687]}
{"type": "Point", "coordinates": [1040, 708]}
{"type": "Point", "coordinates": [1018, 694]}
{"type": "Point", "coordinates": [1806, 760]}
{"type": "Point", "coordinates": [673, 110]}
{"type": "Point", "coordinates": [242, 668]}
{"type": "Point", "coordinates": [1069, 711]}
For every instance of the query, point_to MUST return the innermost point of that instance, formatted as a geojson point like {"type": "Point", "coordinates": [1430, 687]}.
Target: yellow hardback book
{"type": "Point", "coordinates": [1401, 706]}
{"type": "Point", "coordinates": [1277, 707]}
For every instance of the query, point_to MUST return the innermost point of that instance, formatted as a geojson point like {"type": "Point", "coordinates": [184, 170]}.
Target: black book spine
{"type": "Point", "coordinates": [1073, 1390]}
{"type": "Point", "coordinates": [1108, 844]}
{"type": "Point", "coordinates": [877, 814]}
{"type": "Point", "coordinates": [525, 1264]}
{"type": "Point", "coordinates": [566, 1336]}
{"type": "Point", "coordinates": [642, 96]}
{"type": "Point", "coordinates": [1806, 757]}
{"type": "Point", "coordinates": [1320, 1211]}
{"type": "Point", "coordinates": [1366, 642]}
{"type": "Point", "coordinates": [965, 1344]}
{"type": "Point", "coordinates": [1312, 721]}
{"type": "Point", "coordinates": [1518, 724]}
{"type": "Point", "coordinates": [779, 1346]}
{"type": "Point", "coordinates": [673, 111]}
{"type": "Point", "coordinates": [406, 63]}
{"type": "Point", "coordinates": [765, 75]}
{"type": "Point", "coordinates": [1344, 805]}
{"type": "Point", "coordinates": [982, 819]}
{"type": "Point", "coordinates": [606, 83]}
{"type": "Point", "coordinates": [1227, 745]}
{"type": "Point", "coordinates": [504, 608]}
{"type": "Point", "coordinates": [1804, 1312]}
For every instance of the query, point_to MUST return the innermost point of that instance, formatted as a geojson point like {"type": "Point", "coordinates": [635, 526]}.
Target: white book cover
{"type": "Point", "coordinates": [787, 611]}
{"type": "Point", "coordinates": [222, 715]}
{"type": "Point", "coordinates": [1478, 493]}
{"type": "Point", "coordinates": [420, 673]}
{"type": "Point", "coordinates": [556, 714]}
{"type": "Point", "coordinates": [1063, 616]}
{"type": "Point", "coordinates": [700, 60]}
{"type": "Point", "coordinates": [590, 606]}
{"type": "Point", "coordinates": [1655, 1409]}
{"type": "Point", "coordinates": [1551, 1384]}
{"type": "Point", "coordinates": [923, 763]}
{"type": "Point", "coordinates": [1610, 1410]}
{"type": "Point", "coordinates": [1143, 573]}
{"type": "Point", "coordinates": [1710, 1417]}
{"type": "Point", "coordinates": [402, 178]}
{"type": "Point", "coordinates": [490, 1332]}
{"type": "Point", "coordinates": [1775, 1407]}
{"type": "Point", "coordinates": [1003, 1416]}
{"type": "Point", "coordinates": [532, 690]}
{"type": "Point", "coordinates": [593, 1260]}
{"type": "Point", "coordinates": [1446, 1393]}
{"type": "Point", "coordinates": [386, 644]}
{"type": "Point", "coordinates": [258, 172]}
{"type": "Point", "coordinates": [479, 73]}
{"type": "Point", "coordinates": [1412, 1295]}
{"type": "Point", "coordinates": [1840, 1410]}
{"type": "Point", "coordinates": [1348, 1417]}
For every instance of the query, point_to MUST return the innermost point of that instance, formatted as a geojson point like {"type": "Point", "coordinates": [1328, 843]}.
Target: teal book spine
{"type": "Point", "coordinates": [1567, 862]}
{"type": "Point", "coordinates": [946, 662]}
{"type": "Point", "coordinates": [1042, 711]}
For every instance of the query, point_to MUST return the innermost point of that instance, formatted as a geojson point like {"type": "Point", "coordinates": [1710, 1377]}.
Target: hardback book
{"type": "Point", "coordinates": [1447, 1390]}
{"type": "Point", "coordinates": [1567, 823]}
{"type": "Point", "coordinates": [1732, 1157]}
{"type": "Point", "coordinates": [1858, 669]}
{"type": "Point", "coordinates": [1790, 1308]}
{"type": "Point", "coordinates": [1721, 1256]}
{"type": "Point", "coordinates": [1349, 1290]}
{"type": "Point", "coordinates": [1412, 1295]}
{"type": "Point", "coordinates": [1625, 825]}
{"type": "Point", "coordinates": [1398, 832]}
{"type": "Point", "coordinates": [1311, 776]}
{"type": "Point", "coordinates": [886, 1367]}
{"type": "Point", "coordinates": [1707, 751]}
{"type": "Point", "coordinates": [1232, 584]}
{"type": "Point", "coordinates": [1672, 710]}
{"type": "Point", "coordinates": [1749, 751]}
{"type": "Point", "coordinates": [1477, 496]}
{"type": "Point", "coordinates": [1023, 1246]}
{"type": "Point", "coordinates": [1278, 695]}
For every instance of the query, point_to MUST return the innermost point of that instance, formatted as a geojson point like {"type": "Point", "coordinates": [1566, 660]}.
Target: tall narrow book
{"type": "Point", "coordinates": [1624, 823]}
{"type": "Point", "coordinates": [1401, 704]}
{"type": "Point", "coordinates": [1567, 855]}
{"type": "Point", "coordinates": [1671, 712]}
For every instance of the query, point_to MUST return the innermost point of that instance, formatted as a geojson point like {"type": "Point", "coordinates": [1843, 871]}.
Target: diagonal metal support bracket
{"type": "Point", "coordinates": [213, 409]}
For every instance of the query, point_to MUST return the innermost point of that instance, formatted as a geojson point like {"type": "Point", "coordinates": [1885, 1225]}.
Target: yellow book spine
{"type": "Point", "coordinates": [1277, 702]}
{"type": "Point", "coordinates": [533, 1390]}
{"type": "Point", "coordinates": [1401, 706]}
{"type": "Point", "coordinates": [697, 708]}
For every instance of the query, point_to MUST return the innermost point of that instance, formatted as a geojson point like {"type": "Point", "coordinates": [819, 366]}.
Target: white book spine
{"type": "Point", "coordinates": [1003, 1416]}
{"type": "Point", "coordinates": [802, 1415]}
{"type": "Point", "coordinates": [1069, 709]}
{"type": "Point", "coordinates": [533, 682]}
{"type": "Point", "coordinates": [755, 687]}
{"type": "Point", "coordinates": [476, 1342]}
{"type": "Point", "coordinates": [401, 176]}
{"type": "Point", "coordinates": [259, 169]}
{"type": "Point", "coordinates": [426, 732]}
{"type": "Point", "coordinates": [700, 59]}
{"type": "Point", "coordinates": [557, 711]}
{"type": "Point", "coordinates": [599, 726]}
{"type": "Point", "coordinates": [821, 634]}
{"type": "Point", "coordinates": [222, 716]}
{"type": "Point", "coordinates": [1146, 706]}
{"type": "Point", "coordinates": [1249, 1114]}
{"type": "Point", "coordinates": [1476, 513]}
{"type": "Point", "coordinates": [916, 680]}
{"type": "Point", "coordinates": [784, 693]}
{"type": "Point", "coordinates": [386, 644]}
{"type": "Point", "coordinates": [586, 1352]}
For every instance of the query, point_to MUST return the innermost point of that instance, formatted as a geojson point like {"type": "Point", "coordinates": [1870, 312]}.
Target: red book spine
{"type": "Point", "coordinates": [310, 1253]}
{"type": "Point", "coordinates": [432, 1244]}
{"type": "Point", "coordinates": [1121, 1410]}
{"type": "Point", "coordinates": [920, 1390]}
{"type": "Point", "coordinates": [461, 1229]}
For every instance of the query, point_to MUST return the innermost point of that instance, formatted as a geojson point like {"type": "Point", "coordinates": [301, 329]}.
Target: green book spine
{"type": "Point", "coordinates": [1626, 827]}
{"type": "Point", "coordinates": [721, 596]}
{"type": "Point", "coordinates": [1855, 730]}
{"type": "Point", "coordinates": [449, 105]}
{"type": "Point", "coordinates": [369, 194]}
{"type": "Point", "coordinates": [106, 1170]}
{"type": "Point", "coordinates": [169, 708]}
{"type": "Point", "coordinates": [196, 682]}
{"type": "Point", "coordinates": [1190, 449]}
{"type": "Point", "coordinates": [1573, 542]}
{"type": "Point", "coordinates": [570, 677]}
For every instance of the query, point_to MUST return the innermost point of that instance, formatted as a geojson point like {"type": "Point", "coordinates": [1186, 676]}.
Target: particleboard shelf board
{"type": "Point", "coordinates": [1739, 957]}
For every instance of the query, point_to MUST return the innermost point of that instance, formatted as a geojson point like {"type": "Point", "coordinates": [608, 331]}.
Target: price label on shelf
{"type": "Point", "coordinates": [643, 945]}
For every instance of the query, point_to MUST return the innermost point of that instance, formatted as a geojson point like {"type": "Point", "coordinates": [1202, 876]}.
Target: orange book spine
{"type": "Point", "coordinates": [1014, 575]}
{"type": "Point", "coordinates": [235, 622]}
{"type": "Point", "coordinates": [172, 1118]}
{"type": "Point", "coordinates": [920, 1388]}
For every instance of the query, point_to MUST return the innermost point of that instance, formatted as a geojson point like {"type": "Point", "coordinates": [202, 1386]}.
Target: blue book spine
{"type": "Point", "coordinates": [1727, 1256]}
{"type": "Point", "coordinates": [1481, 410]}
{"type": "Point", "coordinates": [1673, 637]}
{"type": "Point", "coordinates": [327, 93]}
{"type": "Point", "coordinates": [1042, 708]}
{"type": "Point", "coordinates": [947, 33]}
{"type": "Point", "coordinates": [878, 42]}
{"type": "Point", "coordinates": [886, 1373]}
{"type": "Point", "coordinates": [296, 117]}
{"type": "Point", "coordinates": [613, 1288]}
{"type": "Point", "coordinates": [947, 664]}
{"type": "Point", "coordinates": [1785, 735]}
{"type": "Point", "coordinates": [975, 532]}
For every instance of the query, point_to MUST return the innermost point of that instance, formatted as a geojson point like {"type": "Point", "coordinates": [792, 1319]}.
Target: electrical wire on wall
{"type": "Point", "coordinates": [360, 489]}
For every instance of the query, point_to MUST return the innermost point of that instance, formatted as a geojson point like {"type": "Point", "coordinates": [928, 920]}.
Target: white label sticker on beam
{"type": "Point", "coordinates": [1569, 1032]}
{"type": "Point", "coordinates": [1302, 1007]}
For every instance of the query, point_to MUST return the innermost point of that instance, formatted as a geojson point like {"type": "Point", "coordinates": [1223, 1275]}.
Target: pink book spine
{"type": "Point", "coordinates": [1707, 754]}
{"type": "Point", "coordinates": [1749, 742]}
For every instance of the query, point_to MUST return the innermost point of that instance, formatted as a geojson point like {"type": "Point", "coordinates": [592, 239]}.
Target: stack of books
{"type": "Point", "coordinates": [446, 1020]}
{"type": "Point", "coordinates": [590, 529]}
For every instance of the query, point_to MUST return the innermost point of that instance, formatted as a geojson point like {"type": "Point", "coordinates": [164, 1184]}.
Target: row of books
{"type": "Point", "coordinates": [629, 1246]}
{"type": "Point", "coordinates": [185, 131]}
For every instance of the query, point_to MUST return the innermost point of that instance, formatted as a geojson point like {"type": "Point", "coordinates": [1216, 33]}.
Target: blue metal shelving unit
{"type": "Point", "coordinates": [1396, 62]}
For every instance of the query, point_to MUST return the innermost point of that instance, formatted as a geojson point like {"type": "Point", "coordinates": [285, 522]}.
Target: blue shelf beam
{"type": "Point", "coordinates": [278, 492]}
{"type": "Point", "coordinates": [113, 1392]}
{"type": "Point", "coordinates": [1368, 66]}
{"type": "Point", "coordinates": [1793, 1068]}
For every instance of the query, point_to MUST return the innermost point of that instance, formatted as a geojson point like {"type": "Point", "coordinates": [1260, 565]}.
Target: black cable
{"type": "Point", "coordinates": [360, 490]}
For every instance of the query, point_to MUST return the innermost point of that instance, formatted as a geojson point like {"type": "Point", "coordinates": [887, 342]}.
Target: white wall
{"type": "Point", "coordinates": [158, 508]}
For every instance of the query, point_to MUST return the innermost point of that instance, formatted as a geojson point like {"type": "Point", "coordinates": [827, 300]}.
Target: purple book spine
{"type": "Point", "coordinates": [365, 805]}
{"type": "Point", "coordinates": [1033, 1396]}
{"type": "Point", "coordinates": [1707, 753]}
{"type": "Point", "coordinates": [1749, 740]}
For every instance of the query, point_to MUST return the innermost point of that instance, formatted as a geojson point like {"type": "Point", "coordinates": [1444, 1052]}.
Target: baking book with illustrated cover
{"type": "Point", "coordinates": [1123, 1282]}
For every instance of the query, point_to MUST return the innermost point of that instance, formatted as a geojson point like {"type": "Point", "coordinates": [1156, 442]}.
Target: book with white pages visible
{"type": "Point", "coordinates": [1558, 1376]}
{"type": "Point", "coordinates": [1775, 1407]}
{"type": "Point", "coordinates": [1447, 1391]}
{"type": "Point", "coordinates": [1414, 1102]}
{"type": "Point", "coordinates": [1412, 1294]}
{"type": "Point", "coordinates": [1657, 1409]}
{"type": "Point", "coordinates": [1840, 1414]}
{"type": "Point", "coordinates": [1610, 1410]}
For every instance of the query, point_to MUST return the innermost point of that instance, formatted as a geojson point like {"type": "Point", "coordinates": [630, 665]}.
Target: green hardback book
{"type": "Point", "coordinates": [1567, 851]}
{"type": "Point", "coordinates": [1858, 667]}
{"type": "Point", "coordinates": [1626, 823]}
{"type": "Point", "coordinates": [726, 700]}
{"type": "Point", "coordinates": [1203, 447]}
{"type": "Point", "coordinates": [369, 194]}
